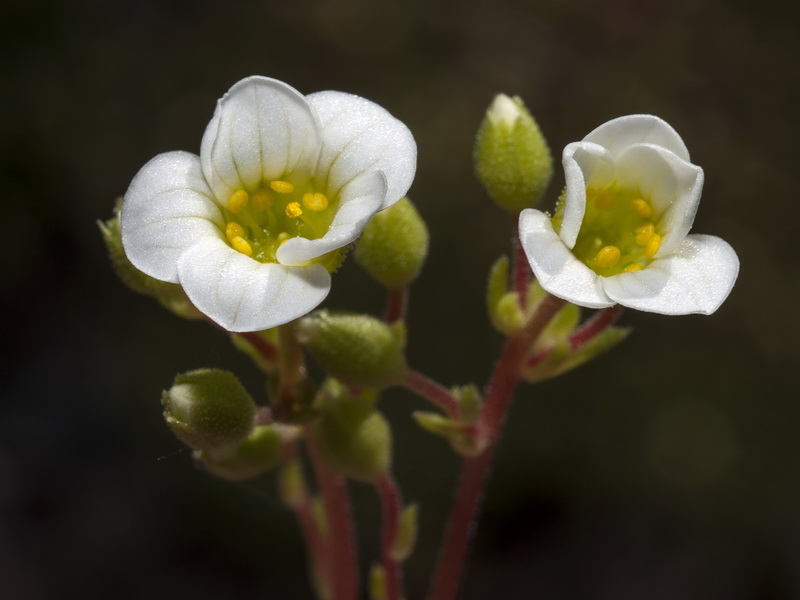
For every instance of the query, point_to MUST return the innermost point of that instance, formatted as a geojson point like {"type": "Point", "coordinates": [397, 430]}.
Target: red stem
{"type": "Point", "coordinates": [396, 305]}
{"type": "Point", "coordinates": [391, 504]}
{"type": "Point", "coordinates": [431, 390]}
{"type": "Point", "coordinates": [265, 349]}
{"type": "Point", "coordinates": [599, 322]}
{"type": "Point", "coordinates": [341, 542]}
{"type": "Point", "coordinates": [476, 470]}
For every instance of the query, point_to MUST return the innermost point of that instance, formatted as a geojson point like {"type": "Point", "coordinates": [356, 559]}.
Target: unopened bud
{"type": "Point", "coordinates": [208, 409]}
{"type": "Point", "coordinates": [511, 156]}
{"type": "Point", "coordinates": [254, 456]}
{"type": "Point", "coordinates": [394, 245]}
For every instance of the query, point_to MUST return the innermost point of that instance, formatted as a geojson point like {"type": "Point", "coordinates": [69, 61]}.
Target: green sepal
{"type": "Point", "coordinates": [512, 159]}
{"type": "Point", "coordinates": [470, 403]}
{"type": "Point", "coordinates": [394, 245]}
{"type": "Point", "coordinates": [561, 359]}
{"type": "Point", "coordinates": [209, 409]}
{"type": "Point", "coordinates": [462, 436]}
{"type": "Point", "coordinates": [170, 295]}
{"type": "Point", "coordinates": [291, 486]}
{"type": "Point", "coordinates": [359, 350]}
{"type": "Point", "coordinates": [256, 455]}
{"type": "Point", "coordinates": [352, 437]}
{"type": "Point", "coordinates": [505, 312]}
{"type": "Point", "coordinates": [406, 536]}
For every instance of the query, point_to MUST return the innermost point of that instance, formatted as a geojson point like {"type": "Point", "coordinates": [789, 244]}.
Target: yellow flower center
{"type": "Point", "coordinates": [618, 233]}
{"type": "Point", "coordinates": [259, 220]}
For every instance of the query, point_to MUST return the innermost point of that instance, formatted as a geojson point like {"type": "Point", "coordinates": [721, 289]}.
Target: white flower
{"type": "Point", "coordinates": [251, 227]}
{"type": "Point", "coordinates": [620, 235]}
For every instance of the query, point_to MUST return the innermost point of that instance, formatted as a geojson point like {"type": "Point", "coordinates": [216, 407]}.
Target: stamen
{"type": "Point", "coordinates": [606, 200]}
{"type": "Point", "coordinates": [316, 202]}
{"type": "Point", "coordinates": [282, 187]}
{"type": "Point", "coordinates": [608, 256]}
{"type": "Point", "coordinates": [293, 210]}
{"type": "Point", "coordinates": [232, 230]}
{"type": "Point", "coordinates": [237, 201]}
{"type": "Point", "coordinates": [644, 233]}
{"type": "Point", "coordinates": [641, 207]}
{"type": "Point", "coordinates": [633, 267]}
{"type": "Point", "coordinates": [652, 246]}
{"type": "Point", "coordinates": [242, 245]}
{"type": "Point", "coordinates": [261, 199]}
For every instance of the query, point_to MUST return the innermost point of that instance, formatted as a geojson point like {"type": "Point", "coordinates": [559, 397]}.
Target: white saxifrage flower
{"type": "Point", "coordinates": [621, 233]}
{"type": "Point", "coordinates": [253, 226]}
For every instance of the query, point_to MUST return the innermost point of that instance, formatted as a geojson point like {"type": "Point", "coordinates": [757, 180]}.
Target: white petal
{"type": "Point", "coordinates": [167, 208]}
{"type": "Point", "coordinates": [696, 278]}
{"type": "Point", "coordinates": [360, 136]}
{"type": "Point", "coordinates": [672, 185]}
{"type": "Point", "coordinates": [585, 164]}
{"type": "Point", "coordinates": [360, 200]}
{"type": "Point", "coordinates": [262, 130]}
{"type": "Point", "coordinates": [241, 294]}
{"type": "Point", "coordinates": [618, 134]}
{"type": "Point", "coordinates": [555, 267]}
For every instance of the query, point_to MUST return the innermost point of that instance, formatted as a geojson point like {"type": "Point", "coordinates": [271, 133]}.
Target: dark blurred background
{"type": "Point", "coordinates": [668, 469]}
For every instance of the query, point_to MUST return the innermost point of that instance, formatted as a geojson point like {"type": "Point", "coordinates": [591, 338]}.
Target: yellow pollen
{"type": "Point", "coordinates": [316, 202]}
{"type": "Point", "coordinates": [606, 200]}
{"type": "Point", "coordinates": [237, 201]}
{"type": "Point", "coordinates": [644, 233]}
{"type": "Point", "coordinates": [633, 267]}
{"type": "Point", "coordinates": [641, 207]}
{"type": "Point", "coordinates": [608, 256]}
{"type": "Point", "coordinates": [282, 187]}
{"type": "Point", "coordinates": [652, 246]}
{"type": "Point", "coordinates": [232, 230]}
{"type": "Point", "coordinates": [293, 210]}
{"type": "Point", "coordinates": [261, 199]}
{"type": "Point", "coordinates": [242, 245]}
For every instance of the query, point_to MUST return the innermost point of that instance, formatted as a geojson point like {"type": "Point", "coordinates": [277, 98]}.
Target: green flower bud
{"type": "Point", "coordinates": [352, 437]}
{"type": "Point", "coordinates": [360, 351]}
{"type": "Point", "coordinates": [394, 245]}
{"type": "Point", "coordinates": [208, 409]}
{"type": "Point", "coordinates": [377, 583]}
{"type": "Point", "coordinates": [254, 456]}
{"type": "Point", "coordinates": [462, 436]}
{"type": "Point", "coordinates": [511, 156]}
{"type": "Point", "coordinates": [291, 486]}
{"type": "Point", "coordinates": [170, 295]}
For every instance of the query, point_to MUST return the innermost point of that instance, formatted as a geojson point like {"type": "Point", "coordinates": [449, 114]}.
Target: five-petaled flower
{"type": "Point", "coordinates": [253, 226]}
{"type": "Point", "coordinates": [620, 234]}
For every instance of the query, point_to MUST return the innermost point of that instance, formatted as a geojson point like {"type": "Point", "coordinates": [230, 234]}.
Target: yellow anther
{"type": "Point", "coordinates": [293, 210]}
{"type": "Point", "coordinates": [242, 245]}
{"type": "Point", "coordinates": [282, 187]}
{"type": "Point", "coordinates": [237, 201]}
{"type": "Point", "coordinates": [608, 256]}
{"type": "Point", "coordinates": [606, 200]}
{"type": "Point", "coordinates": [316, 202]}
{"type": "Point", "coordinates": [644, 233]}
{"type": "Point", "coordinates": [232, 230]}
{"type": "Point", "coordinates": [652, 246]}
{"type": "Point", "coordinates": [641, 207]}
{"type": "Point", "coordinates": [261, 199]}
{"type": "Point", "coordinates": [633, 267]}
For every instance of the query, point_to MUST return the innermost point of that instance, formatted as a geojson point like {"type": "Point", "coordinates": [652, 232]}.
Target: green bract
{"type": "Point", "coordinates": [254, 456]}
{"type": "Point", "coordinates": [394, 245]}
{"type": "Point", "coordinates": [511, 156]}
{"type": "Point", "coordinates": [209, 409]}
{"type": "Point", "coordinates": [358, 350]}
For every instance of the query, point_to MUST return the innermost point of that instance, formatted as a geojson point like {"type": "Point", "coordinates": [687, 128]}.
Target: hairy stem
{"type": "Point", "coordinates": [475, 471]}
{"type": "Point", "coordinates": [391, 504]}
{"type": "Point", "coordinates": [431, 390]}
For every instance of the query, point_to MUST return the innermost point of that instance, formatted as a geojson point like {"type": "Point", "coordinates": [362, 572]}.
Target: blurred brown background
{"type": "Point", "coordinates": [666, 470]}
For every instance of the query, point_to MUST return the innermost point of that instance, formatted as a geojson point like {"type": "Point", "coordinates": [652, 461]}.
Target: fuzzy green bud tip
{"type": "Point", "coordinates": [360, 351]}
{"type": "Point", "coordinates": [406, 537]}
{"type": "Point", "coordinates": [394, 245]}
{"type": "Point", "coordinates": [512, 159]}
{"type": "Point", "coordinates": [209, 409]}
